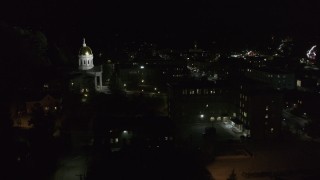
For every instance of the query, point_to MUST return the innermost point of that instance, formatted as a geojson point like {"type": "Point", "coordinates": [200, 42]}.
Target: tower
{"type": "Point", "coordinates": [85, 57]}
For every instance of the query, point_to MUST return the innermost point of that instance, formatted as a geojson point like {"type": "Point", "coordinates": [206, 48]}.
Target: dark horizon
{"type": "Point", "coordinates": [166, 22]}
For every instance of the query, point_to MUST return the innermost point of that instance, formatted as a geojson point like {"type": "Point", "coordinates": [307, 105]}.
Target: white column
{"type": "Point", "coordinates": [100, 81]}
{"type": "Point", "coordinates": [95, 82]}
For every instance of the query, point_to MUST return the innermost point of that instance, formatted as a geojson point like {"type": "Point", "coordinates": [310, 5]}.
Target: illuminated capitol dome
{"type": "Point", "coordinates": [85, 57]}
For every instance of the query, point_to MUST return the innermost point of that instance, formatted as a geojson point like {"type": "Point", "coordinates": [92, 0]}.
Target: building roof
{"type": "Point", "coordinates": [85, 50]}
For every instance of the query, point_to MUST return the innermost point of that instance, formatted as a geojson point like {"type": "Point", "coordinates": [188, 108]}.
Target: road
{"type": "Point", "coordinates": [74, 165]}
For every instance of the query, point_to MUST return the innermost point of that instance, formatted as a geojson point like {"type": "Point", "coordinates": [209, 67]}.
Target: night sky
{"type": "Point", "coordinates": [166, 20]}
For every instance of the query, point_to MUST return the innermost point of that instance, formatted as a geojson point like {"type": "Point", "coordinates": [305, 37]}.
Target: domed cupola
{"type": "Point", "coordinates": [85, 57]}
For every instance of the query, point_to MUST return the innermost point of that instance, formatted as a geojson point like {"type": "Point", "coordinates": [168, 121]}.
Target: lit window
{"type": "Point", "coordinates": [198, 91]}
{"type": "Point", "coordinates": [245, 114]}
{"type": "Point", "coordinates": [267, 108]}
{"type": "Point", "coordinates": [191, 91]}
{"type": "Point", "coordinates": [298, 83]}
{"type": "Point", "coordinates": [271, 130]}
{"type": "Point", "coordinates": [116, 140]}
{"type": "Point", "coordinates": [266, 116]}
{"type": "Point", "coordinates": [185, 91]}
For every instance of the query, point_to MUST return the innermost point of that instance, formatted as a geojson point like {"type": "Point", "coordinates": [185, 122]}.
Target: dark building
{"type": "Point", "coordinates": [276, 79]}
{"type": "Point", "coordinates": [260, 110]}
{"type": "Point", "coordinates": [202, 101]}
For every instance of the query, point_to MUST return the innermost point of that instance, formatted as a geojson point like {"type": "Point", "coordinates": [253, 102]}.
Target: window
{"type": "Point", "coordinates": [88, 62]}
{"type": "Point", "coordinates": [266, 116]}
{"type": "Point", "coordinates": [191, 91]}
{"type": "Point", "coordinates": [185, 91]}
{"type": "Point", "coordinates": [84, 62]}
{"type": "Point", "coordinates": [298, 83]}
{"type": "Point", "coordinates": [198, 91]}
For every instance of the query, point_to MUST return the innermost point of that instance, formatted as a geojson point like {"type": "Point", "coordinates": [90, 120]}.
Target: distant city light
{"type": "Point", "coordinates": [124, 85]}
{"type": "Point", "coordinates": [142, 80]}
{"type": "Point", "coordinates": [141, 67]}
{"type": "Point", "coordinates": [311, 53]}
{"type": "Point", "coordinates": [201, 116]}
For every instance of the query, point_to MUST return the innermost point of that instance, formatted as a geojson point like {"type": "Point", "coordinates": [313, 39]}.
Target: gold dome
{"type": "Point", "coordinates": [85, 50]}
